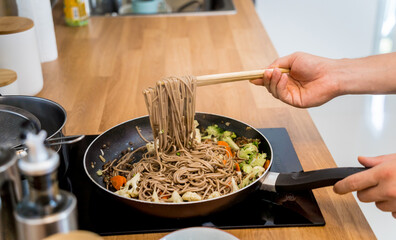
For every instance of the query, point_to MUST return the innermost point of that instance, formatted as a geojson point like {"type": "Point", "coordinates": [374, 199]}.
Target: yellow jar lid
{"type": "Point", "coordinates": [13, 24]}
{"type": "Point", "coordinates": [7, 77]}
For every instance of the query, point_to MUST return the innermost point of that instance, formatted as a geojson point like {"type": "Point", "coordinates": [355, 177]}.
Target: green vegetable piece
{"type": "Point", "coordinates": [231, 143]}
{"type": "Point", "coordinates": [247, 168]}
{"type": "Point", "coordinates": [214, 131]}
{"type": "Point", "coordinates": [251, 177]}
{"type": "Point", "coordinates": [258, 160]}
{"type": "Point", "coordinates": [248, 151]}
{"type": "Point", "coordinates": [229, 134]}
{"type": "Point", "coordinates": [256, 142]}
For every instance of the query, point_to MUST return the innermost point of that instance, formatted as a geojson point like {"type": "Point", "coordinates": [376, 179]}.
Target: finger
{"type": "Point", "coordinates": [284, 62]}
{"type": "Point", "coordinates": [264, 81]}
{"type": "Point", "coordinates": [371, 194]}
{"type": "Point", "coordinates": [386, 206]}
{"type": "Point", "coordinates": [356, 182]}
{"type": "Point", "coordinates": [258, 81]}
{"type": "Point", "coordinates": [267, 78]}
{"type": "Point", "coordinates": [373, 161]}
{"type": "Point", "coordinates": [276, 75]}
{"type": "Point", "coordinates": [282, 90]}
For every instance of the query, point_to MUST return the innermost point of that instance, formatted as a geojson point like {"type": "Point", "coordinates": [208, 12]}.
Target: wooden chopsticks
{"type": "Point", "coordinates": [232, 77]}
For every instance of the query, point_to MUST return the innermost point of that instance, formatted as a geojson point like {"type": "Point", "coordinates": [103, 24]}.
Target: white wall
{"type": "Point", "coordinates": [335, 29]}
{"type": "Point", "coordinates": [349, 125]}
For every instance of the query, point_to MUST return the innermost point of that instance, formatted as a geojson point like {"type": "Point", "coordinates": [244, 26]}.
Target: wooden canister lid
{"type": "Point", "coordinates": [7, 77]}
{"type": "Point", "coordinates": [75, 235]}
{"type": "Point", "coordinates": [13, 24]}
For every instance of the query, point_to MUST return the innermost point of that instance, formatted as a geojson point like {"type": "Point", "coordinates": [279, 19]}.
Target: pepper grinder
{"type": "Point", "coordinates": [44, 210]}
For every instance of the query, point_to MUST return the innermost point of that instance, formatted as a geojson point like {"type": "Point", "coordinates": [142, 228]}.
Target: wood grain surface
{"type": "Point", "coordinates": [14, 24]}
{"type": "Point", "coordinates": [102, 69]}
{"type": "Point", "coordinates": [7, 77]}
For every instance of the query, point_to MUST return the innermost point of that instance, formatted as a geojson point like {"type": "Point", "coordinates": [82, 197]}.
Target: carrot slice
{"type": "Point", "coordinates": [266, 164]}
{"type": "Point", "coordinates": [237, 167]}
{"type": "Point", "coordinates": [227, 147]}
{"type": "Point", "coordinates": [118, 181]}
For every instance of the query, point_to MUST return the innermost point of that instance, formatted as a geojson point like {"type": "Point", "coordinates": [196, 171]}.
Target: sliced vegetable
{"type": "Point", "coordinates": [258, 160]}
{"type": "Point", "coordinates": [118, 181]}
{"type": "Point", "coordinates": [229, 134]}
{"type": "Point", "coordinates": [234, 185]}
{"type": "Point", "coordinates": [150, 147]}
{"type": "Point", "coordinates": [266, 164]}
{"type": "Point", "coordinates": [130, 188]}
{"type": "Point", "coordinates": [231, 143]}
{"type": "Point", "coordinates": [102, 158]}
{"type": "Point", "coordinates": [237, 167]}
{"type": "Point", "coordinates": [247, 168]}
{"type": "Point", "coordinates": [197, 136]}
{"type": "Point", "coordinates": [214, 131]}
{"type": "Point", "coordinates": [214, 194]}
{"type": "Point", "coordinates": [248, 151]}
{"type": "Point", "coordinates": [191, 196]}
{"type": "Point", "coordinates": [256, 171]}
{"type": "Point", "coordinates": [176, 198]}
{"type": "Point", "coordinates": [227, 147]}
{"type": "Point", "coordinates": [155, 196]}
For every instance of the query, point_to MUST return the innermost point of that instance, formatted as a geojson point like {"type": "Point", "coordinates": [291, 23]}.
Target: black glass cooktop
{"type": "Point", "coordinates": [106, 216]}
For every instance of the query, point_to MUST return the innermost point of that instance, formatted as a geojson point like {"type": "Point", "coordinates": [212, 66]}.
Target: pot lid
{"type": "Point", "coordinates": [13, 24]}
{"type": "Point", "coordinates": [7, 77]}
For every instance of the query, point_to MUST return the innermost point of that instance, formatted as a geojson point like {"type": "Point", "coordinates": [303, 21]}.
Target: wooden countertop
{"type": "Point", "coordinates": [102, 69]}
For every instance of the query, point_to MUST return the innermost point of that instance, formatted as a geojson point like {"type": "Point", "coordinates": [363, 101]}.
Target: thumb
{"type": "Point", "coordinates": [373, 161]}
{"type": "Point", "coordinates": [284, 62]}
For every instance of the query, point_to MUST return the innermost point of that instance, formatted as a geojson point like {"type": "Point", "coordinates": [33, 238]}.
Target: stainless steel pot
{"type": "Point", "coordinates": [52, 118]}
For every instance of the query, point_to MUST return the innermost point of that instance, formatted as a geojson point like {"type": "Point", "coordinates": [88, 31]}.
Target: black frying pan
{"type": "Point", "coordinates": [118, 138]}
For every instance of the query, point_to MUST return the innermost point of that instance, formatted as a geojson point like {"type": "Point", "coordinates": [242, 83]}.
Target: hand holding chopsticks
{"type": "Point", "coordinates": [232, 77]}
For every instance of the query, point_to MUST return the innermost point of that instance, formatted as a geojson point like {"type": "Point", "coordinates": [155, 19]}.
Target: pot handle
{"type": "Point", "coordinates": [298, 181]}
{"type": "Point", "coordinates": [64, 140]}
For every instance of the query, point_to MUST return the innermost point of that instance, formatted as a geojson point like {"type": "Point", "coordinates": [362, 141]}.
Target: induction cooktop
{"type": "Point", "coordinates": [104, 215]}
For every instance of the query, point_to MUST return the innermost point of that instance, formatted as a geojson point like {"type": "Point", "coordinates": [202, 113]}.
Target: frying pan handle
{"type": "Point", "coordinates": [297, 181]}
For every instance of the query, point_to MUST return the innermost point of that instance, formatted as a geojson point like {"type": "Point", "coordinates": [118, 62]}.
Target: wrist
{"type": "Point", "coordinates": [368, 75]}
{"type": "Point", "coordinates": [338, 72]}
{"type": "Point", "coordinates": [351, 76]}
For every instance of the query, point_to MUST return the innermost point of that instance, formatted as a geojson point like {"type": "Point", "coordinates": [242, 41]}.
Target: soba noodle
{"type": "Point", "coordinates": [179, 161]}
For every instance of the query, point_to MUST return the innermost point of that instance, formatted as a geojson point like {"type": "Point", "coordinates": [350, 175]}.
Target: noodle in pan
{"type": "Point", "coordinates": [179, 165]}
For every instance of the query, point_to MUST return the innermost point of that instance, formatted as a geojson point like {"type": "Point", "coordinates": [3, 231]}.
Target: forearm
{"type": "Point", "coordinates": [369, 75]}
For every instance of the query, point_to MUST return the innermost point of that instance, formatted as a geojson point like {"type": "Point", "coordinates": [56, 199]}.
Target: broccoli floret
{"type": "Point", "coordinates": [229, 134]}
{"type": "Point", "coordinates": [214, 131]}
{"type": "Point", "coordinates": [248, 151]}
{"type": "Point", "coordinates": [231, 143]}
{"type": "Point", "coordinates": [258, 160]}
